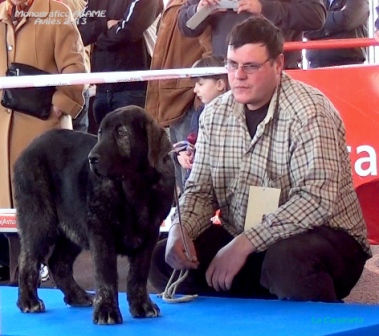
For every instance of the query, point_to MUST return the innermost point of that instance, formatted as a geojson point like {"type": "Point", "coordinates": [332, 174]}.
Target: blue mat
{"type": "Point", "coordinates": [204, 316]}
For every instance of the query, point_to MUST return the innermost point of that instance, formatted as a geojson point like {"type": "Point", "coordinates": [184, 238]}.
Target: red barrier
{"type": "Point", "coordinates": [331, 44]}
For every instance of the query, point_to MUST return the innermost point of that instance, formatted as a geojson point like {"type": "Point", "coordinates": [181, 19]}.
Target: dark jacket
{"type": "Point", "coordinates": [345, 19]}
{"type": "Point", "coordinates": [121, 48]}
{"type": "Point", "coordinates": [291, 16]}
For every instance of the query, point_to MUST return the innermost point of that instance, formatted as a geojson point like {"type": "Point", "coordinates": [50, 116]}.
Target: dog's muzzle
{"type": "Point", "coordinates": [93, 160]}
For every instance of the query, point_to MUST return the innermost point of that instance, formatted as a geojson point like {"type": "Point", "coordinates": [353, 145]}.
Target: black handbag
{"type": "Point", "coordinates": [34, 101]}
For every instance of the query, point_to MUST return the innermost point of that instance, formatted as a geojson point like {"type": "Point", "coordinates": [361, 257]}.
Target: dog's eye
{"type": "Point", "coordinates": [121, 132]}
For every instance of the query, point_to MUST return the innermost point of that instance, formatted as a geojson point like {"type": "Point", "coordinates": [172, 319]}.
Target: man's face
{"type": "Point", "coordinates": [254, 89]}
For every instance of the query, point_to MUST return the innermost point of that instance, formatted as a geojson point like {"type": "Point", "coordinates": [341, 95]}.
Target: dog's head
{"type": "Point", "coordinates": [128, 140]}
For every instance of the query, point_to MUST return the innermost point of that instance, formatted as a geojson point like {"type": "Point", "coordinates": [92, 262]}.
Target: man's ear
{"type": "Point", "coordinates": [279, 64]}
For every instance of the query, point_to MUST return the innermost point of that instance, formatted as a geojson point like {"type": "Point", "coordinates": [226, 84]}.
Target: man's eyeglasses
{"type": "Point", "coordinates": [248, 68]}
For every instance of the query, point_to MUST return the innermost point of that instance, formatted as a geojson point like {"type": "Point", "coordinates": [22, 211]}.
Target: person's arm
{"type": "Point", "coordinates": [196, 205]}
{"type": "Point", "coordinates": [315, 167]}
{"type": "Point", "coordinates": [69, 58]}
{"type": "Point", "coordinates": [90, 27]}
{"type": "Point", "coordinates": [187, 11]}
{"type": "Point", "coordinates": [298, 15]}
{"type": "Point", "coordinates": [353, 14]}
{"type": "Point", "coordinates": [139, 16]}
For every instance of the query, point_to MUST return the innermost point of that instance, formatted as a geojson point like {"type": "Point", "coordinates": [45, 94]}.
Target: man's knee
{"type": "Point", "coordinates": [291, 273]}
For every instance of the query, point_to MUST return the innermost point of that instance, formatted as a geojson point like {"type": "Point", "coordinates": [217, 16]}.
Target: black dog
{"type": "Point", "coordinates": [110, 197]}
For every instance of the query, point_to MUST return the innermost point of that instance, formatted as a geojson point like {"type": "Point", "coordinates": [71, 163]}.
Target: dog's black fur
{"type": "Point", "coordinates": [109, 196]}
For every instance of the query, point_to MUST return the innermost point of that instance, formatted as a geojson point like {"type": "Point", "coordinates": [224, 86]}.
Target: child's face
{"type": "Point", "coordinates": [208, 89]}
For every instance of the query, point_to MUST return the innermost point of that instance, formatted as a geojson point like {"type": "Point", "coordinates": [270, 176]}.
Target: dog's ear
{"type": "Point", "coordinates": [158, 142]}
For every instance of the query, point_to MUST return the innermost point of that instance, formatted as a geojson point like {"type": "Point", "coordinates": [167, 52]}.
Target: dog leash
{"type": "Point", "coordinates": [169, 293]}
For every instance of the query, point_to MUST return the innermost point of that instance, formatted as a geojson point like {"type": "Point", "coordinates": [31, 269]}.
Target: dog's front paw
{"type": "Point", "coordinates": [146, 309]}
{"type": "Point", "coordinates": [31, 306]}
{"type": "Point", "coordinates": [106, 314]}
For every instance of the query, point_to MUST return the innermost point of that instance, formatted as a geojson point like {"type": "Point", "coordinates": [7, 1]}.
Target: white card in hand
{"type": "Point", "coordinates": [262, 201]}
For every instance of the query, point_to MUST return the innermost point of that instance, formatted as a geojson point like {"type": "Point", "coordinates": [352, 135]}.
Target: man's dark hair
{"type": "Point", "coordinates": [257, 29]}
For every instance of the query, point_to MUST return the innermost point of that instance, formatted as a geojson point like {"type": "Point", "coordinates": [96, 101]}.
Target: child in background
{"type": "Point", "coordinates": [206, 88]}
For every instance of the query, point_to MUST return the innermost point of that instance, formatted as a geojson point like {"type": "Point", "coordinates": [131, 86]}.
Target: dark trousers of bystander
{"type": "Point", "coordinates": [318, 265]}
{"type": "Point", "coordinates": [81, 123]}
{"type": "Point", "coordinates": [106, 102]}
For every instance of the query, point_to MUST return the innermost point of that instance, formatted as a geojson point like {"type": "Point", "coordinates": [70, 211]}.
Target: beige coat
{"type": "Point", "coordinates": [168, 100]}
{"type": "Point", "coordinates": [77, 7]}
{"type": "Point", "coordinates": [53, 46]}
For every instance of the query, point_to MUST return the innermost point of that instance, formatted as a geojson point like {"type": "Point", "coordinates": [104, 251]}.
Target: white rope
{"type": "Point", "coordinates": [169, 293]}
{"type": "Point", "coordinates": [105, 77]}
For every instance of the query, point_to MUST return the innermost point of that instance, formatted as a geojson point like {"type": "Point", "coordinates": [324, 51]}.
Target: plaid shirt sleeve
{"type": "Point", "coordinates": [197, 204]}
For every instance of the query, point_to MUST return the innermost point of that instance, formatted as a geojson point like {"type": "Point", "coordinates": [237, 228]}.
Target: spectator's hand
{"type": "Point", "coordinates": [251, 6]}
{"type": "Point", "coordinates": [185, 159]}
{"type": "Point", "coordinates": [376, 36]}
{"type": "Point", "coordinates": [175, 253]}
{"type": "Point", "coordinates": [58, 113]}
{"type": "Point", "coordinates": [209, 3]}
{"type": "Point", "coordinates": [111, 23]}
{"type": "Point", "coordinates": [206, 4]}
{"type": "Point", "coordinates": [228, 262]}
{"type": "Point", "coordinates": [92, 90]}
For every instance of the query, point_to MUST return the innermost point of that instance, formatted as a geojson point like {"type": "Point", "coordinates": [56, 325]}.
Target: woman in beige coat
{"type": "Point", "coordinates": [40, 33]}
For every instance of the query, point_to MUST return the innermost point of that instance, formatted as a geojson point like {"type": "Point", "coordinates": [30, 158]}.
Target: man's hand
{"type": "Point", "coordinates": [376, 35]}
{"type": "Point", "coordinates": [206, 4]}
{"type": "Point", "coordinates": [251, 6]}
{"type": "Point", "coordinates": [228, 262]}
{"type": "Point", "coordinates": [175, 252]}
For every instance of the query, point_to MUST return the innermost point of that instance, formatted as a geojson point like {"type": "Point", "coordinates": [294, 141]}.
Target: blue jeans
{"type": "Point", "coordinates": [81, 123]}
{"type": "Point", "coordinates": [178, 132]}
{"type": "Point", "coordinates": [106, 102]}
